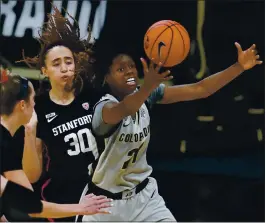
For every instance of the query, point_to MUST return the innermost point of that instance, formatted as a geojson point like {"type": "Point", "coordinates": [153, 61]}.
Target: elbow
{"type": "Point", "coordinates": [205, 94]}
{"type": "Point", "coordinates": [128, 111]}
{"type": "Point", "coordinates": [33, 177]}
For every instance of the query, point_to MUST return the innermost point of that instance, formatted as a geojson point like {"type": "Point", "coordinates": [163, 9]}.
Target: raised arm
{"type": "Point", "coordinates": [113, 112]}
{"type": "Point", "coordinates": [246, 60]}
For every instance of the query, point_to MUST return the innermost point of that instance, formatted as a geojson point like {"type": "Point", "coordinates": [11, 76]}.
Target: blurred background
{"type": "Point", "coordinates": [208, 155]}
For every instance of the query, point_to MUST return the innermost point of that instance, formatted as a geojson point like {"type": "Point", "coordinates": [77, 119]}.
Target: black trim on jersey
{"type": "Point", "coordinates": [99, 103]}
{"type": "Point", "coordinates": [148, 106]}
{"type": "Point", "coordinates": [114, 128]}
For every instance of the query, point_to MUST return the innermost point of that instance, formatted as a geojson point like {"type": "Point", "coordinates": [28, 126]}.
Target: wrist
{"type": "Point", "coordinates": [74, 208]}
{"type": "Point", "coordinates": [147, 89]}
{"type": "Point", "coordinates": [239, 66]}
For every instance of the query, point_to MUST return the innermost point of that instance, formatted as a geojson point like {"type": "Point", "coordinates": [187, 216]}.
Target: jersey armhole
{"type": "Point", "coordinates": [112, 130]}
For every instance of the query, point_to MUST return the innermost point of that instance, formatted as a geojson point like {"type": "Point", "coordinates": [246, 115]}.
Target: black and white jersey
{"type": "Point", "coordinates": [66, 132]}
{"type": "Point", "coordinates": [122, 163]}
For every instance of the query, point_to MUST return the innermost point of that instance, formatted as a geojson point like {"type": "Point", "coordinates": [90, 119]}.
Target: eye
{"type": "Point", "coordinates": [120, 69]}
{"type": "Point", "coordinates": [132, 66]}
{"type": "Point", "coordinates": [56, 64]}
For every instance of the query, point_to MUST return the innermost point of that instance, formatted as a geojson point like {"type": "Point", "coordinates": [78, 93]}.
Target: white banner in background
{"type": "Point", "coordinates": [33, 14]}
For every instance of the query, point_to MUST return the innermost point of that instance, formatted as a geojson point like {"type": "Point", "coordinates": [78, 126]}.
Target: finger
{"type": "Point", "coordinates": [158, 67]}
{"type": "Point", "coordinates": [89, 196]}
{"type": "Point", "coordinates": [103, 201]}
{"type": "Point", "coordinates": [105, 205]}
{"type": "Point", "coordinates": [252, 47]}
{"type": "Point", "coordinates": [152, 64]}
{"type": "Point", "coordinates": [100, 211]}
{"type": "Point", "coordinates": [239, 48]}
{"type": "Point", "coordinates": [168, 78]}
{"type": "Point", "coordinates": [254, 52]}
{"type": "Point", "coordinates": [144, 65]}
{"type": "Point", "coordinates": [166, 73]}
{"type": "Point", "coordinates": [257, 57]}
{"type": "Point", "coordinates": [259, 62]}
{"type": "Point", "coordinates": [100, 197]}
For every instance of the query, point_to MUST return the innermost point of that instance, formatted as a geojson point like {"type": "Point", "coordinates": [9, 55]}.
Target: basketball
{"type": "Point", "coordinates": [168, 42]}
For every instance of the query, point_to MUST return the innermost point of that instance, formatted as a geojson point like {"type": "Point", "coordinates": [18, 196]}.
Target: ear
{"type": "Point", "coordinates": [20, 106]}
{"type": "Point", "coordinates": [44, 71]}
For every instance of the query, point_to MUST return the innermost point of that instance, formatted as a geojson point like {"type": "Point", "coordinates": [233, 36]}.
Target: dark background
{"type": "Point", "coordinates": [219, 175]}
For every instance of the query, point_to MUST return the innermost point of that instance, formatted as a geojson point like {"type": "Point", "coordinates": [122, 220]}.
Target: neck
{"type": "Point", "coordinates": [11, 123]}
{"type": "Point", "coordinates": [119, 95]}
{"type": "Point", "coordinates": [60, 96]}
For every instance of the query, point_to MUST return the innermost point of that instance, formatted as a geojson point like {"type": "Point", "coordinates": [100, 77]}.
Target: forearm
{"type": "Point", "coordinates": [32, 163]}
{"type": "Point", "coordinates": [113, 113]}
{"type": "Point", "coordinates": [53, 210]}
{"type": "Point", "coordinates": [133, 102]}
{"type": "Point", "coordinates": [217, 81]}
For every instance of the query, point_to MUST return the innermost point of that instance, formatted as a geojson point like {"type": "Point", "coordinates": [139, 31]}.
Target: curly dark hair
{"type": "Point", "coordinates": [59, 31]}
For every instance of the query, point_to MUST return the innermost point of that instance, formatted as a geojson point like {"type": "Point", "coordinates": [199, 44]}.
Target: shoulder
{"type": "Point", "coordinates": [106, 98]}
{"type": "Point", "coordinates": [20, 132]}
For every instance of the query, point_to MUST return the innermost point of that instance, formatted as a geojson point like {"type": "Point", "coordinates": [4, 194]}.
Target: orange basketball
{"type": "Point", "coordinates": [167, 41]}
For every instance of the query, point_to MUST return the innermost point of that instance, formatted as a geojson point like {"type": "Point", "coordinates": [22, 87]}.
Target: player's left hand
{"type": "Point", "coordinates": [248, 58]}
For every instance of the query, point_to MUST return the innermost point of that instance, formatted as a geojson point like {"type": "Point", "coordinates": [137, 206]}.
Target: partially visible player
{"type": "Point", "coordinates": [122, 119]}
{"type": "Point", "coordinates": [16, 195]}
{"type": "Point", "coordinates": [17, 104]}
{"type": "Point", "coordinates": [61, 126]}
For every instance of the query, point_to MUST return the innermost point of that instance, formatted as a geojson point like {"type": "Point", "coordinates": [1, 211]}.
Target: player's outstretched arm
{"type": "Point", "coordinates": [90, 205]}
{"type": "Point", "coordinates": [17, 195]}
{"type": "Point", "coordinates": [246, 60]}
{"type": "Point", "coordinates": [113, 113]}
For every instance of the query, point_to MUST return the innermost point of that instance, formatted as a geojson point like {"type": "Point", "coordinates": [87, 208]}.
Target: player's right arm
{"type": "Point", "coordinates": [17, 195]}
{"type": "Point", "coordinates": [33, 150]}
{"type": "Point", "coordinates": [114, 112]}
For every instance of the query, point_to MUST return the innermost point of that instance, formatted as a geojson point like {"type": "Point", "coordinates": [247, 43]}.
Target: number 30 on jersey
{"type": "Point", "coordinates": [82, 141]}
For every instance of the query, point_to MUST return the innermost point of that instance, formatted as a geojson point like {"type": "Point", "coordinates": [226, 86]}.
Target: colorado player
{"type": "Point", "coordinates": [64, 115]}
{"type": "Point", "coordinates": [122, 119]}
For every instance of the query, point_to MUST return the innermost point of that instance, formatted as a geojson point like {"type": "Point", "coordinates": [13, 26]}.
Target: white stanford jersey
{"type": "Point", "coordinates": [123, 164]}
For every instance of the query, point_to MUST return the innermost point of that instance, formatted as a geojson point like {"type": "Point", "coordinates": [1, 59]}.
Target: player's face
{"type": "Point", "coordinates": [123, 75]}
{"type": "Point", "coordinates": [28, 106]}
{"type": "Point", "coordinates": [59, 67]}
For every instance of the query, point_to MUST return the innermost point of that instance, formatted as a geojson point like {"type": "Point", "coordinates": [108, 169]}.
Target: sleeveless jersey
{"type": "Point", "coordinates": [66, 132]}
{"type": "Point", "coordinates": [123, 164]}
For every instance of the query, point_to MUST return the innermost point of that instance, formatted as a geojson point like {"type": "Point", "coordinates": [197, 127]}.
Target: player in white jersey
{"type": "Point", "coordinates": [122, 119]}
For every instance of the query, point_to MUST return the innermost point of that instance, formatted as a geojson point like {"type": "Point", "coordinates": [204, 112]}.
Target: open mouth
{"type": "Point", "coordinates": [131, 81]}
